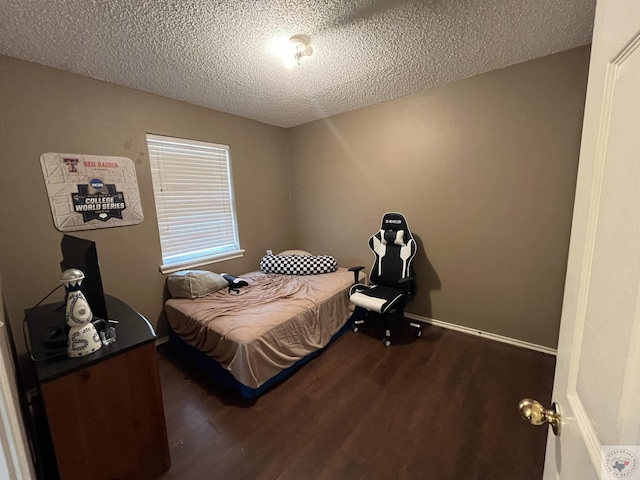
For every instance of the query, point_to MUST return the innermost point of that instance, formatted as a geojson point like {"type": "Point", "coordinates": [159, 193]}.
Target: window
{"type": "Point", "coordinates": [193, 190]}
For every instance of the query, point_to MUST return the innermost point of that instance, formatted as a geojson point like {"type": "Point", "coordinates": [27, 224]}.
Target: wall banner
{"type": "Point", "coordinates": [91, 191]}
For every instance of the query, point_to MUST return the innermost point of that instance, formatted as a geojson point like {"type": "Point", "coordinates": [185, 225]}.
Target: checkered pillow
{"type": "Point", "coordinates": [298, 265]}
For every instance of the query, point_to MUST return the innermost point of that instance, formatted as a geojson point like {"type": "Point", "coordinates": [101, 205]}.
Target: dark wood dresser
{"type": "Point", "coordinates": [104, 410]}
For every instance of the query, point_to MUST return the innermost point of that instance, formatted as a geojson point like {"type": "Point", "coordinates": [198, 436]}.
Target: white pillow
{"type": "Point", "coordinates": [194, 283]}
{"type": "Point", "coordinates": [300, 253]}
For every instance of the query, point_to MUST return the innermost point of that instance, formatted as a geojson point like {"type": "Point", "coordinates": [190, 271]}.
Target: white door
{"type": "Point", "coordinates": [15, 459]}
{"type": "Point", "coordinates": [597, 384]}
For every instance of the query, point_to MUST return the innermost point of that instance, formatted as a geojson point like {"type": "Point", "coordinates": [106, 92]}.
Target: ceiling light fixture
{"type": "Point", "coordinates": [296, 49]}
{"type": "Point", "coordinates": [302, 47]}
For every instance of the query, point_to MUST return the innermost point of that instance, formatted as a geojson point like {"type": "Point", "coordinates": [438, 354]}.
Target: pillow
{"type": "Point", "coordinates": [194, 283]}
{"type": "Point", "coordinates": [301, 253]}
{"type": "Point", "coordinates": [298, 264]}
{"type": "Point", "coordinates": [392, 236]}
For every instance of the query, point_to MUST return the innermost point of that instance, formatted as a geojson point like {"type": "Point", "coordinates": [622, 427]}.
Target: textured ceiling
{"type": "Point", "coordinates": [219, 54]}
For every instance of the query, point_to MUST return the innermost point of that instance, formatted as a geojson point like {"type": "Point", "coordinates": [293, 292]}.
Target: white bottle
{"type": "Point", "coordinates": [83, 336]}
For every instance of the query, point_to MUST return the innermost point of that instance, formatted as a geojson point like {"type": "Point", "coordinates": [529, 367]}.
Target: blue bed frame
{"type": "Point", "coordinates": [223, 377]}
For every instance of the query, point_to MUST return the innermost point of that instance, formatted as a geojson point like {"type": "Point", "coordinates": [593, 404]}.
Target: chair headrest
{"type": "Point", "coordinates": [394, 229]}
{"type": "Point", "coordinates": [394, 221]}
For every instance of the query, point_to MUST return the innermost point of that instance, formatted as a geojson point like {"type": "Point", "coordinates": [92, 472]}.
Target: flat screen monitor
{"type": "Point", "coordinates": [83, 255]}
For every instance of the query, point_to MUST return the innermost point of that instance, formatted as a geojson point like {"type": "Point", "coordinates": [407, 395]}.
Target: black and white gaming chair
{"type": "Point", "coordinates": [392, 282]}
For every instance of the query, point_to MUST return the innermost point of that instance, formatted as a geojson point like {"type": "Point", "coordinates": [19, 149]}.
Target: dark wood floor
{"type": "Point", "coordinates": [440, 407]}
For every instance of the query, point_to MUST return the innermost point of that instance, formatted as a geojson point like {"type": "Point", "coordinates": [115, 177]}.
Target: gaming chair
{"type": "Point", "coordinates": [391, 282]}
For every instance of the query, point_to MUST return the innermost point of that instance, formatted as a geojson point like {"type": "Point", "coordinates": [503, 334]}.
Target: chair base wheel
{"type": "Point", "coordinates": [354, 329]}
{"type": "Point", "coordinates": [419, 333]}
{"type": "Point", "coordinates": [386, 342]}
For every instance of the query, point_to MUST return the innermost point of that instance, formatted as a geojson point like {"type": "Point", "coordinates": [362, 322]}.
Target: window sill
{"type": "Point", "coordinates": [174, 267]}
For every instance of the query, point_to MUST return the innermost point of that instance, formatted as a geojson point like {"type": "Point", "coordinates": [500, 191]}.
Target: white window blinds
{"type": "Point", "coordinates": [193, 191]}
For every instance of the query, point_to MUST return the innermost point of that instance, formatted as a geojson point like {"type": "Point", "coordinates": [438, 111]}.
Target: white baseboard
{"type": "Point", "coordinates": [161, 341]}
{"type": "Point", "coordinates": [479, 333]}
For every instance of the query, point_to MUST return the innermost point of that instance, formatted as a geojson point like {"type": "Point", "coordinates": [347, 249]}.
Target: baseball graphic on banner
{"type": "Point", "coordinates": [91, 191]}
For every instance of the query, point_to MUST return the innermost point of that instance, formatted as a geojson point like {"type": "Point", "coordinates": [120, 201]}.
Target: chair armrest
{"type": "Point", "coordinates": [409, 285]}
{"type": "Point", "coordinates": [406, 280]}
{"type": "Point", "coordinates": [356, 273]}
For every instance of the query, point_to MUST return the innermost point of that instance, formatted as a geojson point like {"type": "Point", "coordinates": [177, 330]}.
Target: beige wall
{"type": "Point", "coordinates": [484, 170]}
{"type": "Point", "coordinates": [46, 110]}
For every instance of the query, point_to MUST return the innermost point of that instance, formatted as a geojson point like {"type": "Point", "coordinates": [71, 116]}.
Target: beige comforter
{"type": "Point", "coordinates": [269, 325]}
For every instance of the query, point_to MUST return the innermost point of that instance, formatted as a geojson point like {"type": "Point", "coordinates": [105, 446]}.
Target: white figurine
{"type": "Point", "coordinates": [83, 336]}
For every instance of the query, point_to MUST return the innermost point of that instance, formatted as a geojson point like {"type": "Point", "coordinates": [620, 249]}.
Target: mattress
{"type": "Point", "coordinates": [267, 326]}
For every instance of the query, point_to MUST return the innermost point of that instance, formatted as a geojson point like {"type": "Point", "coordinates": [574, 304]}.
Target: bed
{"type": "Point", "coordinates": [251, 339]}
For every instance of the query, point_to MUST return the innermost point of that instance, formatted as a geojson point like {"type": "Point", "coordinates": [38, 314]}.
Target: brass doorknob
{"type": "Point", "coordinates": [533, 412]}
